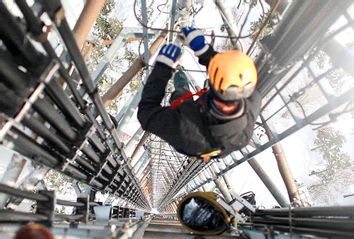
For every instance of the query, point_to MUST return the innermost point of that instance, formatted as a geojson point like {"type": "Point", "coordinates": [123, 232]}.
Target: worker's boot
{"type": "Point", "coordinates": [180, 81]}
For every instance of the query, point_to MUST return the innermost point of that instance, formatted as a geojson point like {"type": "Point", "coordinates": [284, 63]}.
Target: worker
{"type": "Point", "coordinates": [221, 120]}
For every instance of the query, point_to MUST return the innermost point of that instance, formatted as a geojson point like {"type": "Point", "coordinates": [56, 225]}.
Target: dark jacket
{"type": "Point", "coordinates": [190, 128]}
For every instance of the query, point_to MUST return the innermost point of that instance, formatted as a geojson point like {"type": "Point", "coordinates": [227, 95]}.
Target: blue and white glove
{"type": "Point", "coordinates": [169, 55]}
{"type": "Point", "coordinates": [195, 40]}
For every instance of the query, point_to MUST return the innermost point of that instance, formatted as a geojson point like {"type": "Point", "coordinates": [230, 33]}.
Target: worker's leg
{"type": "Point", "coordinates": [180, 82]}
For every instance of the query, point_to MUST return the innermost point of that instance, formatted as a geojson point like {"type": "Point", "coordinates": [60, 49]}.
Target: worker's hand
{"type": "Point", "coordinates": [195, 40]}
{"type": "Point", "coordinates": [169, 55]}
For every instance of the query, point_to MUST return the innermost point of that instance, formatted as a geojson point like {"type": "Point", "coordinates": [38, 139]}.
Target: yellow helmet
{"type": "Point", "coordinates": [200, 213]}
{"type": "Point", "coordinates": [233, 76]}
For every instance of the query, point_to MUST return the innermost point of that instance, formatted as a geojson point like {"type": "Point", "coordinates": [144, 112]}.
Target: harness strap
{"type": "Point", "coordinates": [186, 96]}
{"type": "Point", "coordinates": [207, 156]}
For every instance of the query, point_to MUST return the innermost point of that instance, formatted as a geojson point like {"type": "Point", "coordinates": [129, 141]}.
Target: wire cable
{"type": "Point", "coordinates": [175, 31]}
{"type": "Point", "coordinates": [162, 5]}
{"type": "Point", "coordinates": [261, 29]}
{"type": "Point", "coordinates": [245, 21]}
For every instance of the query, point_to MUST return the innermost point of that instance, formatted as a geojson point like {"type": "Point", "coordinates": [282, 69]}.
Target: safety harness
{"type": "Point", "coordinates": [187, 96]}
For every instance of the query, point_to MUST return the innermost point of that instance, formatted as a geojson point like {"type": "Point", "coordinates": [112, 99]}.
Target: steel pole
{"type": "Point", "coordinates": [221, 186]}
{"type": "Point", "coordinates": [286, 173]}
{"type": "Point", "coordinates": [172, 20]}
{"type": "Point", "coordinates": [133, 140]}
{"type": "Point", "coordinates": [184, 7]}
{"type": "Point", "coordinates": [130, 110]}
{"type": "Point", "coordinates": [86, 20]}
{"type": "Point", "coordinates": [273, 189]}
{"type": "Point", "coordinates": [145, 32]}
{"type": "Point", "coordinates": [229, 22]}
{"type": "Point", "coordinates": [140, 145]}
{"type": "Point", "coordinates": [11, 176]}
{"type": "Point", "coordinates": [136, 66]}
{"type": "Point", "coordinates": [284, 168]}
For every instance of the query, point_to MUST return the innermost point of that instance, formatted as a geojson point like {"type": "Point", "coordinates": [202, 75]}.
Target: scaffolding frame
{"type": "Point", "coordinates": [79, 138]}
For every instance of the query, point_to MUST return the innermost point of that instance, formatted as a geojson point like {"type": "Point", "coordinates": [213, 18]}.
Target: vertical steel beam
{"type": "Point", "coordinates": [10, 177]}
{"type": "Point", "coordinates": [140, 164]}
{"type": "Point", "coordinates": [229, 22]}
{"type": "Point", "coordinates": [284, 169]}
{"type": "Point", "coordinates": [137, 65]}
{"type": "Point", "coordinates": [145, 35]}
{"type": "Point", "coordinates": [172, 20]}
{"type": "Point", "coordinates": [282, 6]}
{"type": "Point", "coordinates": [86, 20]}
{"type": "Point", "coordinates": [130, 110]}
{"type": "Point", "coordinates": [113, 50]}
{"type": "Point", "coordinates": [273, 189]}
{"type": "Point", "coordinates": [140, 145]}
{"type": "Point", "coordinates": [286, 173]}
{"type": "Point", "coordinates": [121, 113]}
{"type": "Point", "coordinates": [184, 7]}
{"type": "Point", "coordinates": [134, 139]}
{"type": "Point", "coordinates": [221, 186]}
{"type": "Point", "coordinates": [144, 164]}
{"type": "Point", "coordinates": [227, 182]}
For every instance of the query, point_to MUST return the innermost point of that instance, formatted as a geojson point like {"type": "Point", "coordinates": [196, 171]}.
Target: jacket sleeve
{"type": "Point", "coordinates": [154, 118]}
{"type": "Point", "coordinates": [205, 58]}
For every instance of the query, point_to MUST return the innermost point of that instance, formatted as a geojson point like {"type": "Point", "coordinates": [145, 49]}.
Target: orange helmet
{"type": "Point", "coordinates": [233, 75]}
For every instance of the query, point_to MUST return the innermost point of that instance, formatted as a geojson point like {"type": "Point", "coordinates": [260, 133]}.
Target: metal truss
{"type": "Point", "coordinates": [66, 129]}
{"type": "Point", "coordinates": [58, 119]}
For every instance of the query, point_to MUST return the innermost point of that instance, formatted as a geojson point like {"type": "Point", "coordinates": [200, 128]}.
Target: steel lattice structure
{"type": "Point", "coordinates": [62, 125]}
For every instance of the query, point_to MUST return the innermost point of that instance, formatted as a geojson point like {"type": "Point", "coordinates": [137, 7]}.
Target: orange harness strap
{"type": "Point", "coordinates": [206, 157]}
{"type": "Point", "coordinates": [186, 96]}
